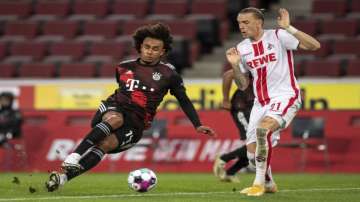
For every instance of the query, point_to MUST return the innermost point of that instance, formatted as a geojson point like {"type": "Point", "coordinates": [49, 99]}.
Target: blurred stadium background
{"type": "Point", "coordinates": [58, 56]}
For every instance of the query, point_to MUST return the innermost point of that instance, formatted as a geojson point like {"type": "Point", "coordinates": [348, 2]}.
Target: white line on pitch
{"type": "Point", "coordinates": [167, 194]}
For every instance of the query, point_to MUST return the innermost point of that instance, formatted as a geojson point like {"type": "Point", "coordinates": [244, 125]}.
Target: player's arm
{"type": "Point", "coordinates": [227, 79]}
{"type": "Point", "coordinates": [306, 42]}
{"type": "Point", "coordinates": [241, 79]}
{"type": "Point", "coordinates": [178, 90]}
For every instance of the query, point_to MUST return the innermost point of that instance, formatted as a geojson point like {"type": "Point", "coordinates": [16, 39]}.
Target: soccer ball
{"type": "Point", "coordinates": [142, 180]}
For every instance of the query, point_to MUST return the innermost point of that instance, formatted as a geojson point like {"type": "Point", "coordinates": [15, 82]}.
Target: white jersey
{"type": "Point", "coordinates": [270, 62]}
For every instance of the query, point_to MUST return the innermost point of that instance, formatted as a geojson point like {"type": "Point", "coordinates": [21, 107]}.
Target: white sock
{"type": "Point", "coordinates": [73, 158]}
{"type": "Point", "coordinates": [261, 154]}
{"type": "Point", "coordinates": [63, 179]}
{"type": "Point", "coordinates": [260, 173]}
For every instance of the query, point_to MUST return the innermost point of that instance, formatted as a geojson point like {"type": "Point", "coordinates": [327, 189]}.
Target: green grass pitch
{"type": "Point", "coordinates": [180, 187]}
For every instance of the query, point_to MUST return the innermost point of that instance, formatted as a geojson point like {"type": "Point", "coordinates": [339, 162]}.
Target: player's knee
{"type": "Point", "coordinates": [269, 123]}
{"type": "Point", "coordinates": [109, 143]}
{"type": "Point", "coordinates": [115, 119]}
{"type": "Point", "coordinates": [251, 147]}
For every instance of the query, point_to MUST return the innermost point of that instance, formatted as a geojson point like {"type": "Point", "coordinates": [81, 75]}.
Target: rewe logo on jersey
{"type": "Point", "coordinates": [133, 84]}
{"type": "Point", "coordinates": [260, 61]}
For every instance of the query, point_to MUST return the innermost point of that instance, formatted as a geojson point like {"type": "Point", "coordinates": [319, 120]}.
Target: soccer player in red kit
{"type": "Point", "coordinates": [121, 118]}
{"type": "Point", "coordinates": [267, 55]}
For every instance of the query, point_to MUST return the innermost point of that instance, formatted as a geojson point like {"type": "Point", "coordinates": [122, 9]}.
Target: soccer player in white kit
{"type": "Point", "coordinates": [267, 55]}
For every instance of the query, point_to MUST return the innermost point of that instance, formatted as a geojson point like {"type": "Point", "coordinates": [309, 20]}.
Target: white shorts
{"type": "Point", "coordinates": [283, 109]}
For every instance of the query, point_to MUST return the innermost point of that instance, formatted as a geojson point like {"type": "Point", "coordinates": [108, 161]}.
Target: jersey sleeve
{"type": "Point", "coordinates": [287, 40]}
{"type": "Point", "coordinates": [178, 90]}
{"type": "Point", "coordinates": [176, 84]}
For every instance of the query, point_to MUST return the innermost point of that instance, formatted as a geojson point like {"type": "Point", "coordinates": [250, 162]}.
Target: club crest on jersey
{"type": "Point", "coordinates": [156, 76]}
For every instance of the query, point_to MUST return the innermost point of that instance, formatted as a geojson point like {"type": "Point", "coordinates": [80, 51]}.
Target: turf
{"type": "Point", "coordinates": [181, 187]}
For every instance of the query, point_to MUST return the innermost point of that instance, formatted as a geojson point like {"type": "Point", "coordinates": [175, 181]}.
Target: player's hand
{"type": "Point", "coordinates": [206, 130]}
{"type": "Point", "coordinates": [233, 56]}
{"type": "Point", "coordinates": [226, 105]}
{"type": "Point", "coordinates": [283, 18]}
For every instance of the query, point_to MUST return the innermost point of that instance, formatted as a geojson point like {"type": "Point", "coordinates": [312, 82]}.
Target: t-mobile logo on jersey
{"type": "Point", "coordinates": [133, 84]}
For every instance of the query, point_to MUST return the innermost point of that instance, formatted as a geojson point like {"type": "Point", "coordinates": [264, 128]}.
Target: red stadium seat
{"type": "Point", "coordinates": [97, 8]}
{"type": "Point", "coordinates": [337, 7]}
{"type": "Point", "coordinates": [107, 70]}
{"type": "Point", "coordinates": [177, 28]}
{"type": "Point", "coordinates": [34, 49]}
{"type": "Point", "coordinates": [37, 70]}
{"type": "Point", "coordinates": [308, 26]}
{"type": "Point", "coordinates": [353, 68]}
{"type": "Point", "coordinates": [355, 6]}
{"type": "Point", "coordinates": [322, 68]}
{"type": "Point", "coordinates": [175, 7]}
{"type": "Point", "coordinates": [75, 50]}
{"type": "Point", "coordinates": [3, 50]}
{"type": "Point", "coordinates": [58, 8]}
{"type": "Point", "coordinates": [224, 31]}
{"type": "Point", "coordinates": [347, 27]}
{"type": "Point", "coordinates": [7, 70]}
{"type": "Point", "coordinates": [129, 27]}
{"type": "Point", "coordinates": [217, 8]}
{"type": "Point", "coordinates": [117, 50]}
{"type": "Point", "coordinates": [58, 59]}
{"type": "Point", "coordinates": [20, 28]}
{"type": "Point", "coordinates": [66, 29]}
{"type": "Point", "coordinates": [104, 28]}
{"type": "Point", "coordinates": [98, 59]}
{"type": "Point", "coordinates": [324, 50]}
{"type": "Point", "coordinates": [347, 46]}
{"type": "Point", "coordinates": [208, 32]}
{"type": "Point", "coordinates": [77, 70]}
{"type": "Point", "coordinates": [17, 59]}
{"type": "Point", "coordinates": [160, 17]}
{"type": "Point", "coordinates": [16, 8]}
{"type": "Point", "coordinates": [139, 8]}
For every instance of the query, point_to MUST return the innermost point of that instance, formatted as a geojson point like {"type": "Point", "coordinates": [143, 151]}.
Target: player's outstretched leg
{"type": "Point", "coordinates": [89, 160]}
{"type": "Point", "coordinates": [95, 136]}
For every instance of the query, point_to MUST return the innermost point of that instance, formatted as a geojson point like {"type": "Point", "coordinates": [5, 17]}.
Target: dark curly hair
{"type": "Point", "coordinates": [157, 31]}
